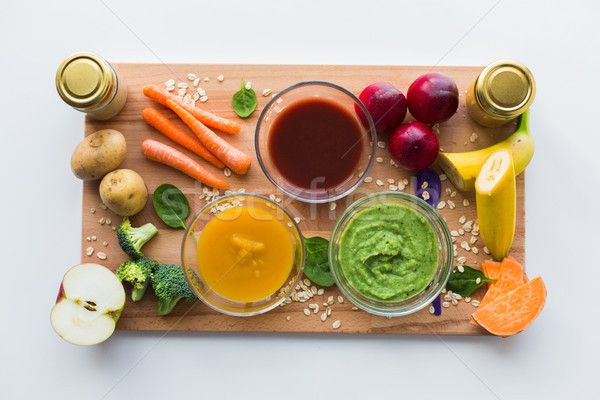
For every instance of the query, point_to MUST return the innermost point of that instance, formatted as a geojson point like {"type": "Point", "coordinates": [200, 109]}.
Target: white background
{"type": "Point", "coordinates": [555, 358]}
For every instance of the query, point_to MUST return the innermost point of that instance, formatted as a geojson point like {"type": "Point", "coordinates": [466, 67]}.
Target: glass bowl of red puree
{"type": "Point", "coordinates": [390, 253]}
{"type": "Point", "coordinates": [311, 144]}
{"type": "Point", "coordinates": [243, 254]}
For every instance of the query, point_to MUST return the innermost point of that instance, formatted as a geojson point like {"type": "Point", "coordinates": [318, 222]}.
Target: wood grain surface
{"type": "Point", "coordinates": [315, 219]}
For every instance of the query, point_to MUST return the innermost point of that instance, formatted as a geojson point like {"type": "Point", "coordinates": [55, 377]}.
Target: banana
{"type": "Point", "coordinates": [496, 196]}
{"type": "Point", "coordinates": [462, 168]}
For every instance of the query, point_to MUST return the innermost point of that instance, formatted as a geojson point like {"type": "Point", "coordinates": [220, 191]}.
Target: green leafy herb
{"type": "Point", "coordinates": [244, 101]}
{"type": "Point", "coordinates": [466, 282]}
{"type": "Point", "coordinates": [171, 205]}
{"type": "Point", "coordinates": [316, 264]}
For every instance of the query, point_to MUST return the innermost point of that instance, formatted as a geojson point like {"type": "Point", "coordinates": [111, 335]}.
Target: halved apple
{"type": "Point", "coordinates": [89, 303]}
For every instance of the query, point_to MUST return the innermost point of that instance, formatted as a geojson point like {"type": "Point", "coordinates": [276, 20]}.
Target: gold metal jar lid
{"type": "Point", "coordinates": [83, 80]}
{"type": "Point", "coordinates": [505, 89]}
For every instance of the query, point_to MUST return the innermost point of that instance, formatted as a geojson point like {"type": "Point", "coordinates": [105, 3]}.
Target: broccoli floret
{"type": "Point", "coordinates": [132, 239]}
{"type": "Point", "coordinates": [138, 273]}
{"type": "Point", "coordinates": [170, 286]}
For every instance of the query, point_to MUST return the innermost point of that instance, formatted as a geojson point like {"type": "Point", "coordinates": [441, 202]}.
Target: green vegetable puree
{"type": "Point", "coordinates": [388, 252]}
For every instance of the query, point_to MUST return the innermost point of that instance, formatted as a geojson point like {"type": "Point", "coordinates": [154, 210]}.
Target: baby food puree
{"type": "Point", "coordinates": [245, 254]}
{"type": "Point", "coordinates": [388, 252]}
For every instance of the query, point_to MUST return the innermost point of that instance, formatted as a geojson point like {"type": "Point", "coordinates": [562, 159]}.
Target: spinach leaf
{"type": "Point", "coordinates": [244, 101]}
{"type": "Point", "coordinates": [466, 282]}
{"type": "Point", "coordinates": [316, 264]}
{"type": "Point", "coordinates": [171, 205]}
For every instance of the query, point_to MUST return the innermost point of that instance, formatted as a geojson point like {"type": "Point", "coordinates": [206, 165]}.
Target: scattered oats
{"type": "Point", "coordinates": [424, 185]}
{"type": "Point", "coordinates": [201, 91]}
{"type": "Point", "coordinates": [462, 220]}
{"type": "Point", "coordinates": [170, 82]}
{"type": "Point", "coordinates": [456, 296]}
{"type": "Point", "coordinates": [206, 79]}
{"type": "Point", "coordinates": [431, 310]}
{"type": "Point", "coordinates": [227, 172]}
{"type": "Point", "coordinates": [221, 78]}
{"type": "Point", "coordinates": [466, 202]}
{"type": "Point", "coordinates": [266, 92]}
{"type": "Point", "coordinates": [114, 228]}
{"type": "Point", "coordinates": [444, 290]}
{"type": "Point", "coordinates": [170, 88]}
{"type": "Point", "coordinates": [182, 85]}
{"type": "Point", "coordinates": [401, 186]}
{"type": "Point", "coordinates": [475, 250]}
{"type": "Point", "coordinates": [473, 137]}
{"type": "Point", "coordinates": [192, 77]}
{"type": "Point", "coordinates": [354, 308]}
{"type": "Point", "coordinates": [323, 316]}
{"type": "Point", "coordinates": [340, 299]}
{"type": "Point", "coordinates": [468, 226]}
{"type": "Point", "coordinates": [242, 190]}
{"type": "Point", "coordinates": [288, 318]}
{"type": "Point", "coordinates": [436, 129]}
{"type": "Point", "coordinates": [368, 179]}
{"type": "Point", "coordinates": [332, 206]}
{"type": "Point", "coordinates": [445, 304]}
{"type": "Point", "coordinates": [443, 177]}
{"type": "Point", "coordinates": [405, 181]}
{"type": "Point", "coordinates": [465, 245]}
{"type": "Point", "coordinates": [486, 250]}
{"type": "Point", "coordinates": [102, 221]}
{"type": "Point", "coordinates": [101, 256]}
{"type": "Point", "coordinates": [461, 260]}
{"type": "Point", "coordinates": [453, 194]}
{"type": "Point", "coordinates": [277, 199]}
{"type": "Point", "coordinates": [451, 205]}
{"type": "Point", "coordinates": [187, 98]}
{"type": "Point", "coordinates": [441, 205]}
{"type": "Point", "coordinates": [467, 299]}
{"type": "Point", "coordinates": [297, 219]}
{"type": "Point", "coordinates": [393, 163]}
{"type": "Point", "coordinates": [196, 82]}
{"type": "Point", "coordinates": [89, 239]}
{"type": "Point", "coordinates": [381, 144]}
{"type": "Point", "coordinates": [461, 231]}
{"type": "Point", "coordinates": [460, 268]}
{"type": "Point", "coordinates": [248, 85]}
{"type": "Point", "coordinates": [454, 302]}
{"type": "Point", "coordinates": [203, 99]}
{"type": "Point", "coordinates": [196, 96]}
{"type": "Point", "coordinates": [306, 311]}
{"type": "Point", "coordinates": [272, 197]}
{"type": "Point", "coordinates": [93, 210]}
{"type": "Point", "coordinates": [328, 310]}
{"type": "Point", "coordinates": [478, 281]}
{"type": "Point", "coordinates": [447, 297]}
{"type": "Point", "coordinates": [320, 292]}
{"type": "Point", "coordinates": [473, 239]}
{"type": "Point", "coordinates": [360, 174]}
{"type": "Point", "coordinates": [425, 195]}
{"type": "Point", "coordinates": [379, 182]}
{"type": "Point", "coordinates": [393, 187]}
{"type": "Point", "coordinates": [330, 300]}
{"type": "Point", "coordinates": [89, 251]}
{"type": "Point", "coordinates": [307, 282]}
{"type": "Point", "coordinates": [475, 303]}
{"type": "Point", "coordinates": [103, 206]}
{"type": "Point", "coordinates": [390, 181]}
{"type": "Point", "coordinates": [448, 191]}
{"type": "Point", "coordinates": [454, 233]}
{"type": "Point", "coordinates": [379, 159]}
{"type": "Point", "coordinates": [181, 92]}
{"type": "Point", "coordinates": [314, 290]}
{"type": "Point", "coordinates": [94, 238]}
{"type": "Point", "coordinates": [104, 244]}
{"type": "Point", "coordinates": [337, 324]}
{"type": "Point", "coordinates": [289, 224]}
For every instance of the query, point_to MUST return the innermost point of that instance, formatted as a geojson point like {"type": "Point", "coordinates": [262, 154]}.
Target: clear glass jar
{"type": "Point", "coordinates": [504, 90]}
{"type": "Point", "coordinates": [89, 84]}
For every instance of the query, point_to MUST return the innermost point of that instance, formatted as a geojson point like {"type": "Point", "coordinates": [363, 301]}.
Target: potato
{"type": "Point", "coordinates": [124, 192]}
{"type": "Point", "coordinates": [98, 154]}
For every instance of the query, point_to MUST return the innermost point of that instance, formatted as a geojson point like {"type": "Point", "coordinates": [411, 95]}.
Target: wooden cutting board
{"type": "Point", "coordinates": [454, 135]}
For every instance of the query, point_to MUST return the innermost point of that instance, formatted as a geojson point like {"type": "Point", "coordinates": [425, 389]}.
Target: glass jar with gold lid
{"type": "Point", "coordinates": [504, 90]}
{"type": "Point", "coordinates": [88, 83]}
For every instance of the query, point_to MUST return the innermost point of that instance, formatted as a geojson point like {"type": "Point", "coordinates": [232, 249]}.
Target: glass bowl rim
{"type": "Point", "coordinates": [445, 237]}
{"type": "Point", "coordinates": [371, 129]}
{"type": "Point", "coordinates": [294, 226]}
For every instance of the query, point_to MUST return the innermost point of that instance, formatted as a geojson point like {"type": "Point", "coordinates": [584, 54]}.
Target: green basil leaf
{"type": "Point", "coordinates": [316, 264]}
{"type": "Point", "coordinates": [244, 101]}
{"type": "Point", "coordinates": [465, 283]}
{"type": "Point", "coordinates": [171, 205]}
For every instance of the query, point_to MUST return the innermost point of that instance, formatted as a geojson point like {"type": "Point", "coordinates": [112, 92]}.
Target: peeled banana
{"type": "Point", "coordinates": [496, 196]}
{"type": "Point", "coordinates": [462, 168]}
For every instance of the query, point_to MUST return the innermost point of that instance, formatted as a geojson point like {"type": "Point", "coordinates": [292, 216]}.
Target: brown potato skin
{"type": "Point", "coordinates": [98, 154]}
{"type": "Point", "coordinates": [124, 192]}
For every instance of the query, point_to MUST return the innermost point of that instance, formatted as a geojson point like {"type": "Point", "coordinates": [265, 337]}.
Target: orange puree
{"type": "Point", "coordinates": [245, 254]}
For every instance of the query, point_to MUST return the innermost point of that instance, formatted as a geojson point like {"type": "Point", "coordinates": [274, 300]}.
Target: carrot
{"type": "Point", "coordinates": [214, 121]}
{"type": "Point", "coordinates": [167, 128]}
{"type": "Point", "coordinates": [238, 161]}
{"type": "Point", "coordinates": [167, 155]}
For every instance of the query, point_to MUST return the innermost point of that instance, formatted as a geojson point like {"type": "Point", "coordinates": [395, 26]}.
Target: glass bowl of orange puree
{"type": "Point", "coordinates": [243, 254]}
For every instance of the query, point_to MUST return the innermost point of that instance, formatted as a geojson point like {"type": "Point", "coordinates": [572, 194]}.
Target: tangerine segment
{"type": "Point", "coordinates": [514, 311]}
{"type": "Point", "coordinates": [511, 276]}
{"type": "Point", "coordinates": [491, 270]}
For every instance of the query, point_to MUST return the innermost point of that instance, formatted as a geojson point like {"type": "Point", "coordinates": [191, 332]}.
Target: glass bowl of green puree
{"type": "Point", "coordinates": [390, 253]}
